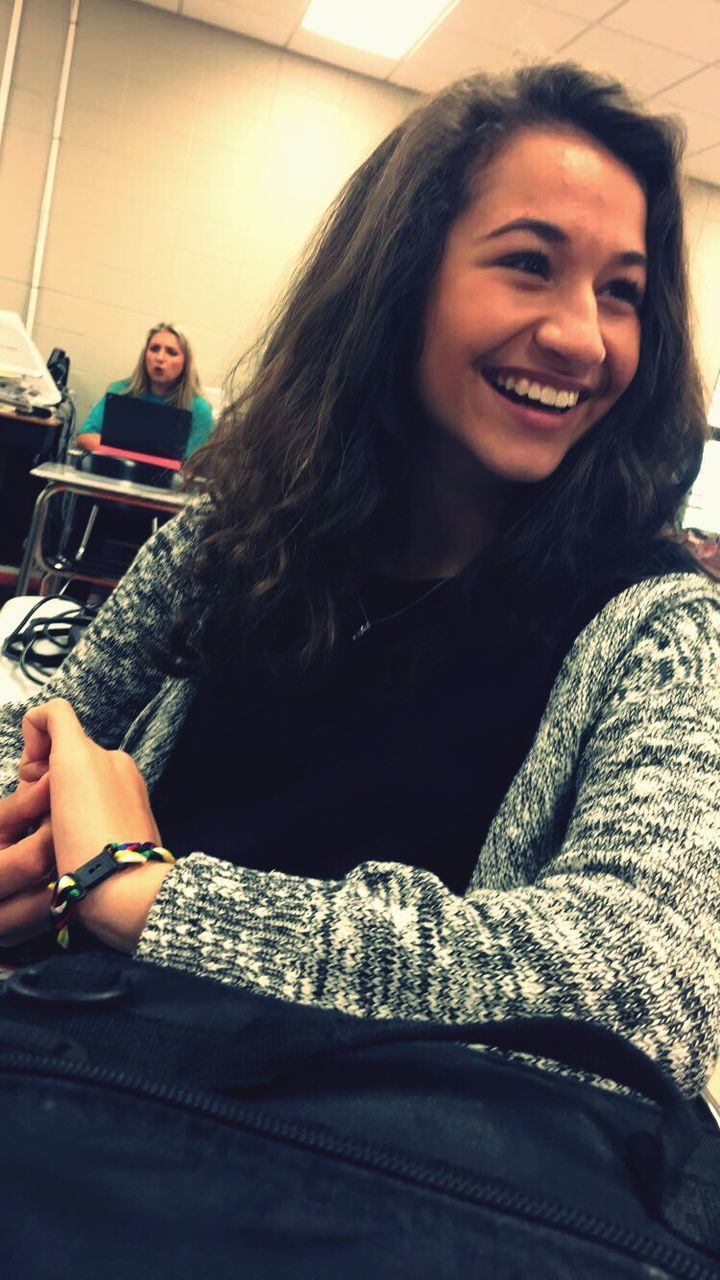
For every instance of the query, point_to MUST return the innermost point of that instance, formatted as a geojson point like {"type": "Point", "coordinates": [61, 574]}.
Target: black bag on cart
{"type": "Point", "coordinates": [164, 1127]}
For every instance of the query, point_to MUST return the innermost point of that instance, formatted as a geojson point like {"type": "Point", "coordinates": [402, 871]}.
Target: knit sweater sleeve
{"type": "Point", "coordinates": [616, 925]}
{"type": "Point", "coordinates": [109, 676]}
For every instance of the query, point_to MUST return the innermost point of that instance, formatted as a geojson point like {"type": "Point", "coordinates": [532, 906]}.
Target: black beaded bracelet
{"type": "Point", "coordinates": [71, 887]}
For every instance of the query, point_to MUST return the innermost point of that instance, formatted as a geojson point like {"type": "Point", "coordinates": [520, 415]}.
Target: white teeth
{"type": "Point", "coordinates": [536, 391]}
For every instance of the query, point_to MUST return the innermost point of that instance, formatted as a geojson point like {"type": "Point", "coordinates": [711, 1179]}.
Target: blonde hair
{"type": "Point", "coordinates": [187, 385]}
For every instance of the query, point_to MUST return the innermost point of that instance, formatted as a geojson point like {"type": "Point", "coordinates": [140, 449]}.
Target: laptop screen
{"type": "Point", "coordinates": [141, 426]}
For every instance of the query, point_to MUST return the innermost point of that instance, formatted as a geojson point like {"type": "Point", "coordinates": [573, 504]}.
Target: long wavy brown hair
{"type": "Point", "coordinates": [303, 461]}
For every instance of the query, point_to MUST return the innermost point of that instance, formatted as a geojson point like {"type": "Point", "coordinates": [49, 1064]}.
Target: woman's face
{"type": "Point", "coordinates": [532, 330]}
{"type": "Point", "coordinates": [164, 361]}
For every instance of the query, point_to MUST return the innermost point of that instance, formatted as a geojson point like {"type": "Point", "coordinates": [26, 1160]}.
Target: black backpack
{"type": "Point", "coordinates": [163, 1127]}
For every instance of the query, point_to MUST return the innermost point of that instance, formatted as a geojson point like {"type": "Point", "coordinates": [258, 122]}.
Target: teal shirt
{"type": "Point", "coordinates": [202, 417]}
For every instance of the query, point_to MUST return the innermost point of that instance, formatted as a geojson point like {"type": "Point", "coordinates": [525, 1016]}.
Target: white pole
{"type": "Point", "coordinates": [9, 63]}
{"type": "Point", "coordinates": [46, 205]}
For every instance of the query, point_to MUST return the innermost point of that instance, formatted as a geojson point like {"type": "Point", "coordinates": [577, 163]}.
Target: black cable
{"type": "Point", "coordinates": [61, 630]}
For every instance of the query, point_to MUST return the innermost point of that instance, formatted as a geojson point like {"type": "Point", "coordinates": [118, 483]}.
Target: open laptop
{"type": "Point", "coordinates": [144, 432]}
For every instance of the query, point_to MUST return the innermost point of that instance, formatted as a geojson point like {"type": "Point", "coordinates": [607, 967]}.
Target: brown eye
{"type": "Point", "coordinates": [625, 291]}
{"type": "Point", "coordinates": [528, 261]}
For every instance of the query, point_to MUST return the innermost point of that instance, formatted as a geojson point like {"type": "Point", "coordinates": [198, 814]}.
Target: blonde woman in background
{"type": "Point", "coordinates": [165, 373]}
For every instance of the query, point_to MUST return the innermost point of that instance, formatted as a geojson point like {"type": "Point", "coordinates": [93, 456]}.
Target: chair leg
{"type": "Point", "coordinates": [52, 584]}
{"type": "Point", "coordinates": [88, 531]}
{"type": "Point", "coordinates": [69, 503]}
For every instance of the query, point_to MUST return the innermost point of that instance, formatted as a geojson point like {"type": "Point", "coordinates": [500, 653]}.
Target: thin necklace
{"type": "Point", "coordinates": [388, 617]}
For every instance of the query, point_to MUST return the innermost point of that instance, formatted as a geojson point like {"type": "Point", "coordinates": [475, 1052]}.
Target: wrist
{"type": "Point", "coordinates": [113, 907]}
{"type": "Point", "coordinates": [117, 910]}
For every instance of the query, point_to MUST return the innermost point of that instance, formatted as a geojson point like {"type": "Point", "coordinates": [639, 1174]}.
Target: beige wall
{"type": "Point", "coordinates": [193, 165]}
{"type": "Point", "coordinates": [23, 156]}
{"type": "Point", "coordinates": [703, 234]}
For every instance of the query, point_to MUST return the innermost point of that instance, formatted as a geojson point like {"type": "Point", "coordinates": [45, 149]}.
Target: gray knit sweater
{"type": "Point", "coordinates": [596, 894]}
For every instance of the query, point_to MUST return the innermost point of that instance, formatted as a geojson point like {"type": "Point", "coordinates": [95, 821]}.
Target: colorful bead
{"type": "Point", "coordinates": [68, 889]}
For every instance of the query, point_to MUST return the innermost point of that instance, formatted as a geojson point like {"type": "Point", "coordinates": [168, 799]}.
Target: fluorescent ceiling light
{"type": "Point", "coordinates": [385, 27]}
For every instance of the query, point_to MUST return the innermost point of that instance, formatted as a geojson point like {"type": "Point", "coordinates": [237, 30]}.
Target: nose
{"type": "Point", "coordinates": [570, 330]}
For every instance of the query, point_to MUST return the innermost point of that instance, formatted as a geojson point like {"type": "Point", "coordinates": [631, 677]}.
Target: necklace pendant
{"type": "Point", "coordinates": [362, 630]}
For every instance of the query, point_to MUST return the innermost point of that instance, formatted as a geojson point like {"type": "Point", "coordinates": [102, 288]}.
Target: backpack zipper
{"type": "Point", "coordinates": [478, 1190]}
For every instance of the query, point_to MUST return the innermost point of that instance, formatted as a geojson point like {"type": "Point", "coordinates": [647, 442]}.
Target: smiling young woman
{"type": "Point", "coordinates": [533, 325]}
{"type": "Point", "coordinates": [441, 702]}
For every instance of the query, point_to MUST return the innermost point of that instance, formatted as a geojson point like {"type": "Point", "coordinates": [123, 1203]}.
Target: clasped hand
{"type": "Point", "coordinates": [73, 796]}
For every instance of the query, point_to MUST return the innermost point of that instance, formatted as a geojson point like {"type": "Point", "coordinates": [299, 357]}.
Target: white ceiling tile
{"type": "Point", "coordinates": [705, 166]}
{"type": "Point", "coordinates": [643, 42]}
{"type": "Point", "coordinates": [171, 6]}
{"type": "Point", "coordinates": [701, 92]}
{"type": "Point", "coordinates": [419, 78]}
{"type": "Point", "coordinates": [453, 54]}
{"type": "Point", "coordinates": [590, 10]}
{"type": "Point", "coordinates": [691, 27]}
{"type": "Point", "coordinates": [273, 21]}
{"type": "Point", "coordinates": [515, 25]}
{"type": "Point", "coordinates": [340, 55]}
{"type": "Point", "coordinates": [643, 67]}
{"type": "Point", "coordinates": [281, 10]}
{"type": "Point", "coordinates": [702, 132]}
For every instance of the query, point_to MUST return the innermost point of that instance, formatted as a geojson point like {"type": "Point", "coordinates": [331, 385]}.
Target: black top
{"type": "Point", "coordinates": [371, 764]}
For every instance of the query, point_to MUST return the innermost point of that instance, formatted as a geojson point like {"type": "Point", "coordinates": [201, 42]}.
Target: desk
{"type": "Point", "coordinates": [9, 415]}
{"type": "Point", "coordinates": [22, 439]}
{"type": "Point", "coordinates": [61, 478]}
{"type": "Point", "coordinates": [26, 430]}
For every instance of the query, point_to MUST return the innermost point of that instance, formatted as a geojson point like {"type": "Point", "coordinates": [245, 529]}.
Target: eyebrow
{"type": "Point", "coordinates": [552, 234]}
